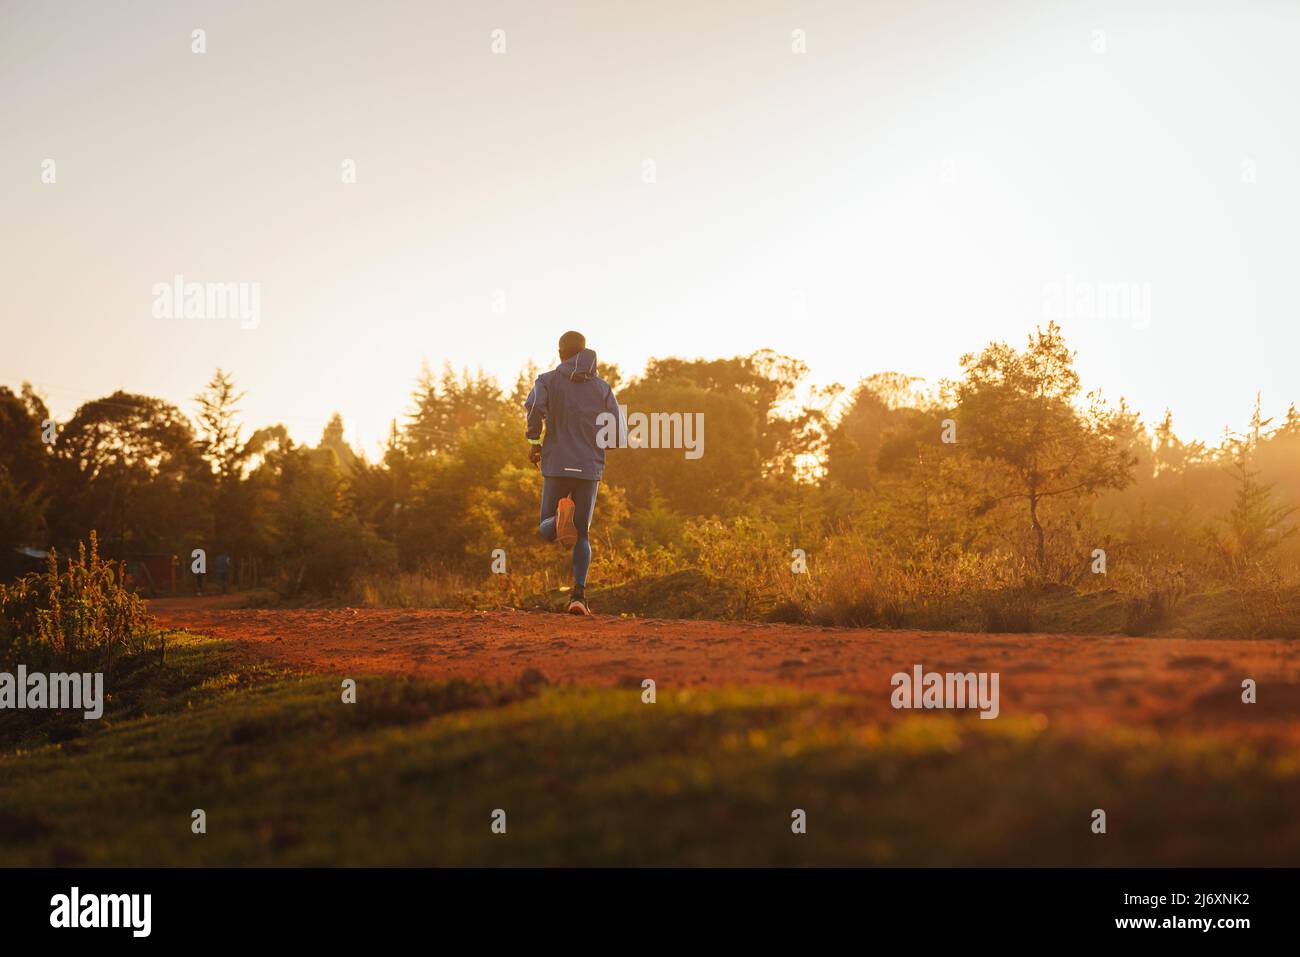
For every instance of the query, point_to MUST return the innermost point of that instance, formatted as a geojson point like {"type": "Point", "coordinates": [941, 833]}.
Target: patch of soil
{"type": "Point", "coordinates": [1069, 680]}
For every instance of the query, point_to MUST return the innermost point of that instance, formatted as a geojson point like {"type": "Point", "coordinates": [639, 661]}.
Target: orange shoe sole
{"type": "Point", "coordinates": [566, 533]}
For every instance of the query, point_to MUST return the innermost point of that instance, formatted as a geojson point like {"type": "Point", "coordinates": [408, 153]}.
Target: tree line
{"type": "Point", "coordinates": [1011, 460]}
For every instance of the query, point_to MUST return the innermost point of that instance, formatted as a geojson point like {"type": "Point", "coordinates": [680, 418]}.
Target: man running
{"type": "Point", "coordinates": [569, 399]}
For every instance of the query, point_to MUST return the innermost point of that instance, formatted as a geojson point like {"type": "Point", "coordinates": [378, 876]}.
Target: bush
{"type": "Point", "coordinates": [788, 613]}
{"type": "Point", "coordinates": [1144, 614]}
{"type": "Point", "coordinates": [1154, 584]}
{"type": "Point", "coordinates": [1267, 604]}
{"type": "Point", "coordinates": [83, 619]}
{"type": "Point", "coordinates": [1010, 611]}
{"type": "Point", "coordinates": [330, 556]}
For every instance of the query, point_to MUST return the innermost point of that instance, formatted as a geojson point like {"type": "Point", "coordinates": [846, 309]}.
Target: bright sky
{"type": "Point", "coordinates": [926, 177]}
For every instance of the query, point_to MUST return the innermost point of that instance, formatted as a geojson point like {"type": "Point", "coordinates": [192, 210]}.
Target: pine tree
{"type": "Point", "coordinates": [1256, 523]}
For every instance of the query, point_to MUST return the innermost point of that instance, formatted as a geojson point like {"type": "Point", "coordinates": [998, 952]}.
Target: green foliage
{"type": "Point", "coordinates": [219, 429]}
{"type": "Point", "coordinates": [1256, 523]}
{"type": "Point", "coordinates": [882, 431]}
{"type": "Point", "coordinates": [319, 544]}
{"type": "Point", "coordinates": [897, 525]}
{"type": "Point", "coordinates": [82, 619]}
{"type": "Point", "coordinates": [657, 524]}
{"type": "Point", "coordinates": [582, 772]}
{"type": "Point", "coordinates": [22, 471]}
{"type": "Point", "coordinates": [1026, 439]}
{"type": "Point", "coordinates": [127, 465]}
{"type": "Point", "coordinates": [448, 405]}
{"type": "Point", "coordinates": [727, 471]}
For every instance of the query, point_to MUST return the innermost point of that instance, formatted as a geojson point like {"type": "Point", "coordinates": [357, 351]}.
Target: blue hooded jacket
{"type": "Point", "coordinates": [569, 400]}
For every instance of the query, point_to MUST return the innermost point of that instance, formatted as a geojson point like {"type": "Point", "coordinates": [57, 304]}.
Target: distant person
{"type": "Point", "coordinates": [568, 400]}
{"type": "Point", "coordinates": [223, 571]}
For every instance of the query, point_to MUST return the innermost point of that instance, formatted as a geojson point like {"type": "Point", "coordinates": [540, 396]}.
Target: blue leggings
{"type": "Point", "coordinates": [583, 491]}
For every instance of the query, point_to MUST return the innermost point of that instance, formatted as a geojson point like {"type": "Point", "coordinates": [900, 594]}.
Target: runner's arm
{"type": "Point", "coordinates": [612, 406]}
{"type": "Point", "coordinates": [535, 404]}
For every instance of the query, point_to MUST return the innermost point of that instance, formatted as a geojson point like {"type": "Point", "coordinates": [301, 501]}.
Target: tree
{"type": "Point", "coordinates": [1016, 414]}
{"type": "Point", "coordinates": [710, 484]}
{"type": "Point", "coordinates": [882, 405]}
{"type": "Point", "coordinates": [1256, 523]}
{"type": "Point", "coordinates": [319, 543]}
{"type": "Point", "coordinates": [332, 440]}
{"type": "Point", "coordinates": [766, 381]}
{"type": "Point", "coordinates": [447, 405]}
{"type": "Point", "coordinates": [755, 436]}
{"type": "Point", "coordinates": [128, 466]}
{"type": "Point", "coordinates": [23, 475]}
{"type": "Point", "coordinates": [1290, 426]}
{"type": "Point", "coordinates": [219, 439]}
{"type": "Point", "coordinates": [1172, 454]}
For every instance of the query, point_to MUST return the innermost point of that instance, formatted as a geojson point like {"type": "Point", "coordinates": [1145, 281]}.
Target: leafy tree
{"type": "Point", "coordinates": [882, 405]}
{"type": "Point", "coordinates": [765, 381]}
{"type": "Point", "coordinates": [1016, 416]}
{"type": "Point", "coordinates": [23, 475]}
{"type": "Point", "coordinates": [319, 543]}
{"type": "Point", "coordinates": [128, 466]}
{"type": "Point", "coordinates": [754, 432]}
{"type": "Point", "coordinates": [729, 468]}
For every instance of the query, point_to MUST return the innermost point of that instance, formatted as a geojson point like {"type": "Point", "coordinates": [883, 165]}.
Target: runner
{"type": "Point", "coordinates": [568, 400]}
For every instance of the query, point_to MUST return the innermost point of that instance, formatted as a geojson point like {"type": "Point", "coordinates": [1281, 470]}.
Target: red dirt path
{"type": "Point", "coordinates": [1067, 680]}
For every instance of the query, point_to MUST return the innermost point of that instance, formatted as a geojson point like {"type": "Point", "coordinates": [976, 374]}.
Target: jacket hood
{"type": "Point", "coordinates": [580, 367]}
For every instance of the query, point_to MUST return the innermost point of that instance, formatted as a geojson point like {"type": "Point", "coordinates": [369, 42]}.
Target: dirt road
{"type": "Point", "coordinates": [1071, 681]}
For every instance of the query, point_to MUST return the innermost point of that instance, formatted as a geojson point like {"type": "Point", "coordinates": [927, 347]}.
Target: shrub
{"type": "Point", "coordinates": [1154, 584]}
{"type": "Point", "coordinates": [1268, 607]}
{"type": "Point", "coordinates": [1010, 610]}
{"type": "Point", "coordinates": [84, 618]}
{"type": "Point", "coordinates": [329, 555]}
{"type": "Point", "coordinates": [1143, 614]}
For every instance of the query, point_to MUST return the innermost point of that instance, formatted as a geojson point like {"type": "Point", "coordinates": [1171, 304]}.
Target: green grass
{"type": "Point", "coordinates": [1220, 613]}
{"type": "Point", "coordinates": [412, 772]}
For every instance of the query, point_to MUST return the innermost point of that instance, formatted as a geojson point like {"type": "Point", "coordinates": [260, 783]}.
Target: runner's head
{"type": "Point", "coordinates": [571, 343]}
